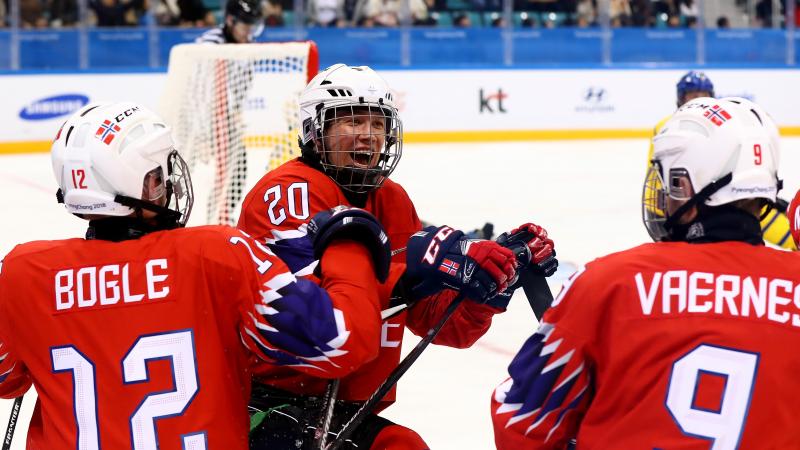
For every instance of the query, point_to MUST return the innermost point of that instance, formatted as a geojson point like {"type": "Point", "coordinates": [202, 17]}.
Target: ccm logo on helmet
{"type": "Point", "coordinates": [127, 113]}
{"type": "Point", "coordinates": [107, 130]}
{"type": "Point", "coordinates": [436, 244]}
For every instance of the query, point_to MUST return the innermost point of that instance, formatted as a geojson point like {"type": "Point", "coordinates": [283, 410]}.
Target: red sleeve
{"type": "Point", "coordinates": [468, 323]}
{"type": "Point", "coordinates": [549, 390]}
{"type": "Point", "coordinates": [15, 378]}
{"type": "Point", "coordinates": [348, 275]}
{"type": "Point", "coordinates": [290, 321]}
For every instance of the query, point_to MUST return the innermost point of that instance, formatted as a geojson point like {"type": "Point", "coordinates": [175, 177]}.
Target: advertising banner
{"type": "Point", "coordinates": [438, 105]}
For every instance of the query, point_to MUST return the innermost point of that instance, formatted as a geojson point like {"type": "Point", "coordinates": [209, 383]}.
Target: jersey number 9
{"type": "Point", "coordinates": [725, 425]}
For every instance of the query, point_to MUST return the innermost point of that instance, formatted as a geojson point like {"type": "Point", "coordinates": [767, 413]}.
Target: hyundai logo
{"type": "Point", "coordinates": [595, 94]}
{"type": "Point", "coordinates": [52, 107]}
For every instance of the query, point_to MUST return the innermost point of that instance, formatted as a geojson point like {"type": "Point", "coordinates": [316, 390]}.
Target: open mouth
{"type": "Point", "coordinates": [362, 158]}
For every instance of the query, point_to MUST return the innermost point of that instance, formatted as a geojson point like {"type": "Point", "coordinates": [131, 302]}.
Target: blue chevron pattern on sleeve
{"type": "Point", "coordinates": [295, 249]}
{"type": "Point", "coordinates": [544, 386]}
{"type": "Point", "coordinates": [297, 324]}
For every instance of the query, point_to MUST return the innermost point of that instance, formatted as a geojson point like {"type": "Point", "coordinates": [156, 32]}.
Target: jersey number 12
{"type": "Point", "coordinates": [178, 346]}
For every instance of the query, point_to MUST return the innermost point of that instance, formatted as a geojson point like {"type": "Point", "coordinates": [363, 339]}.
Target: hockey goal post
{"type": "Point", "coordinates": [234, 114]}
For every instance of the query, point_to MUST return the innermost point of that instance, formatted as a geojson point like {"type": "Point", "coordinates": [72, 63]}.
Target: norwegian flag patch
{"type": "Point", "coordinates": [717, 115]}
{"type": "Point", "coordinates": [107, 132]}
{"type": "Point", "coordinates": [449, 267]}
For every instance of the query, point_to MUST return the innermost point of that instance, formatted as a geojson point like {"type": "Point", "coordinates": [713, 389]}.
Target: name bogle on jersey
{"type": "Point", "coordinates": [111, 284]}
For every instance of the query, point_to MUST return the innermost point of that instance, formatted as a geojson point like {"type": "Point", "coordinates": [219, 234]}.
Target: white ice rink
{"type": "Point", "coordinates": [586, 193]}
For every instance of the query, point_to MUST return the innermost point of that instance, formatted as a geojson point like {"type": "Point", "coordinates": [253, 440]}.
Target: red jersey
{"type": "Point", "coordinates": [143, 339]}
{"type": "Point", "coordinates": [277, 210]}
{"type": "Point", "coordinates": [664, 346]}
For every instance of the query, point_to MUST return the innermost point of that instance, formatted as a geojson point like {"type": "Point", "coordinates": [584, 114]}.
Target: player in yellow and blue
{"type": "Point", "coordinates": [774, 223]}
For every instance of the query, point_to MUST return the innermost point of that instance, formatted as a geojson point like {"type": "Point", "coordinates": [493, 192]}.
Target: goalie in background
{"type": "Point", "coordinates": [242, 24]}
{"type": "Point", "coordinates": [351, 140]}
{"type": "Point", "coordinates": [146, 330]}
{"type": "Point", "coordinates": [774, 224]}
{"type": "Point", "coordinates": [683, 341]}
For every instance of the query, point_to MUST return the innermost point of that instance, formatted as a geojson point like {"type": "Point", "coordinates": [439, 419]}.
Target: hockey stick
{"type": "Point", "coordinates": [324, 423]}
{"type": "Point", "coordinates": [12, 422]}
{"type": "Point", "coordinates": [393, 377]}
{"type": "Point", "coordinates": [537, 291]}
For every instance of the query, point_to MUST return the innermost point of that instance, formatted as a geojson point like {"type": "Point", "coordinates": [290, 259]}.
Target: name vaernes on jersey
{"type": "Point", "coordinates": [681, 291]}
{"type": "Point", "coordinates": [111, 284]}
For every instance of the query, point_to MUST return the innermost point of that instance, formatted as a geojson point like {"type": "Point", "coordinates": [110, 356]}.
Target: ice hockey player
{"type": "Point", "coordinates": [242, 24]}
{"type": "Point", "coordinates": [133, 337]}
{"type": "Point", "coordinates": [351, 141]}
{"type": "Point", "coordinates": [679, 342]}
{"type": "Point", "coordinates": [774, 224]}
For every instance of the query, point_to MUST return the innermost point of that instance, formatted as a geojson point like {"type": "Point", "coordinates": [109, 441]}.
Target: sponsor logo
{"type": "Point", "coordinates": [594, 99]}
{"type": "Point", "coordinates": [594, 94]}
{"type": "Point", "coordinates": [492, 103]}
{"type": "Point", "coordinates": [52, 107]}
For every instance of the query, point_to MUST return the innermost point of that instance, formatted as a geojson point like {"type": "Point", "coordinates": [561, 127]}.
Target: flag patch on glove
{"type": "Point", "coordinates": [449, 267]}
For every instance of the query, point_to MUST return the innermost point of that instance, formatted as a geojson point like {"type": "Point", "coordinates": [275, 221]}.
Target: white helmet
{"type": "Point", "coordinates": [105, 153]}
{"type": "Point", "coordinates": [359, 158]}
{"type": "Point", "coordinates": [764, 117]}
{"type": "Point", "coordinates": [726, 149]}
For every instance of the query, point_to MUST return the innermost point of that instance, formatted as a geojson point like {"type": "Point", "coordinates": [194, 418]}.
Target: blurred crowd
{"type": "Point", "coordinates": [392, 13]}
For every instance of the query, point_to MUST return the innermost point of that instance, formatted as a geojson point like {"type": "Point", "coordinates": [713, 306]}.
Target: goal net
{"type": "Point", "coordinates": [234, 113]}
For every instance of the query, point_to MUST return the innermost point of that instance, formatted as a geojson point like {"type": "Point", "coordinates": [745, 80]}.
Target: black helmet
{"type": "Point", "coordinates": [247, 11]}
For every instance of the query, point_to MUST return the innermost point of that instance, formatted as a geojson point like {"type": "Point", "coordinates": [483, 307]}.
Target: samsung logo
{"type": "Point", "coordinates": [51, 107]}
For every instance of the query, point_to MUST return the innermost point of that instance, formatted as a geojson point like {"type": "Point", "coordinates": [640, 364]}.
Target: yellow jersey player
{"type": "Point", "coordinates": [774, 223]}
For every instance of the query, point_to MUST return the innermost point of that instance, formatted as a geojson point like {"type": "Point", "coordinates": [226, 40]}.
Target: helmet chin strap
{"type": "Point", "coordinates": [164, 215]}
{"type": "Point", "coordinates": [671, 224]}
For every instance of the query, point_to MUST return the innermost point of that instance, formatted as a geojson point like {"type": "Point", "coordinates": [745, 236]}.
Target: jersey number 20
{"type": "Point", "coordinates": [178, 346]}
{"type": "Point", "coordinates": [724, 426]}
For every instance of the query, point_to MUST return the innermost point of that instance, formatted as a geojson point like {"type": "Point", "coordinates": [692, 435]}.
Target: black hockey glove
{"type": "Point", "coordinates": [533, 249]}
{"type": "Point", "coordinates": [346, 222]}
{"type": "Point", "coordinates": [535, 253]}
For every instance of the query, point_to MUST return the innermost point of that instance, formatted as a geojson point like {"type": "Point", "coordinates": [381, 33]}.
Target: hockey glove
{"type": "Point", "coordinates": [534, 252]}
{"type": "Point", "coordinates": [533, 249]}
{"type": "Point", "coordinates": [438, 258]}
{"type": "Point", "coordinates": [345, 222]}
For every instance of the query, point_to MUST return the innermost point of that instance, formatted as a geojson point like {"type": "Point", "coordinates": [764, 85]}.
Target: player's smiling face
{"type": "Point", "coordinates": [355, 137]}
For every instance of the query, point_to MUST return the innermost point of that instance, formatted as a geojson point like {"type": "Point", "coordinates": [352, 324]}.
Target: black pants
{"type": "Point", "coordinates": [290, 421]}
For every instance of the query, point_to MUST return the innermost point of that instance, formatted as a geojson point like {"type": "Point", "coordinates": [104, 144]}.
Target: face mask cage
{"type": "Point", "coordinates": [179, 187]}
{"type": "Point", "coordinates": [360, 145]}
{"type": "Point", "coordinates": [654, 202]}
{"type": "Point", "coordinates": [658, 198]}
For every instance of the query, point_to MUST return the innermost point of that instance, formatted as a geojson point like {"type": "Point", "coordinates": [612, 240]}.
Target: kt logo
{"type": "Point", "coordinates": [493, 99]}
